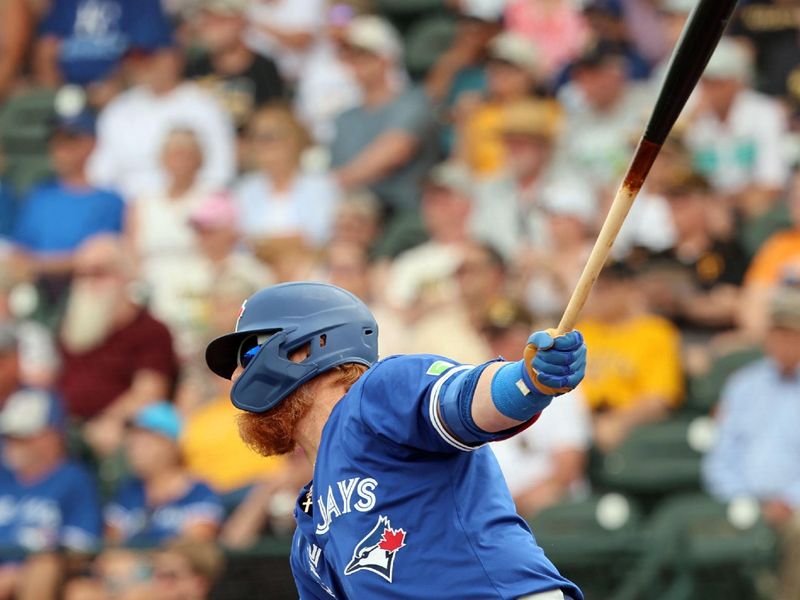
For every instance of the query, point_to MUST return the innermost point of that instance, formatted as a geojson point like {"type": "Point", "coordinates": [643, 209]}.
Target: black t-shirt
{"type": "Point", "coordinates": [774, 29]}
{"type": "Point", "coordinates": [243, 92]}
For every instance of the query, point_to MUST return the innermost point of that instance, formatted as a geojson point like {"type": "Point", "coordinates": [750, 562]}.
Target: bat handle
{"type": "Point", "coordinates": [643, 160]}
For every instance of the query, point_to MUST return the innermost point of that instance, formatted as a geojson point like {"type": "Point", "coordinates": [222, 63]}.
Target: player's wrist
{"type": "Point", "coordinates": [515, 395]}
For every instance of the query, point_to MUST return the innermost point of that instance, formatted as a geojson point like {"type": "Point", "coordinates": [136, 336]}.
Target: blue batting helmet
{"type": "Point", "coordinates": [281, 319]}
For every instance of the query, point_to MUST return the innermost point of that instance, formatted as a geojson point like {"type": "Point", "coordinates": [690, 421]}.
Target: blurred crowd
{"type": "Point", "coordinates": [451, 165]}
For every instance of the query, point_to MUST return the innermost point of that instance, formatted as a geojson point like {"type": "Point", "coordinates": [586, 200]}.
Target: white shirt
{"type": "Point", "coordinates": [307, 208]}
{"type": "Point", "coordinates": [288, 15]}
{"type": "Point", "coordinates": [132, 129]}
{"type": "Point", "coordinates": [527, 458]}
{"type": "Point", "coordinates": [325, 89]}
{"type": "Point", "coordinates": [746, 149]}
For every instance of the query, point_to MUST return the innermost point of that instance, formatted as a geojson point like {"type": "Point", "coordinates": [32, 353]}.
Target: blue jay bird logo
{"type": "Point", "coordinates": [377, 550]}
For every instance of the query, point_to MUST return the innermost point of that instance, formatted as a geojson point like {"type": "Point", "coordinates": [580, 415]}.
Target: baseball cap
{"type": "Point", "coordinates": [730, 60]}
{"type": "Point", "coordinates": [489, 11]}
{"type": "Point", "coordinates": [535, 118]}
{"type": "Point", "coordinates": [785, 308]}
{"type": "Point", "coordinates": [453, 176]}
{"type": "Point", "coordinates": [161, 418]}
{"type": "Point", "coordinates": [516, 50]}
{"type": "Point", "coordinates": [374, 35]}
{"type": "Point", "coordinates": [570, 198]}
{"type": "Point", "coordinates": [30, 411]}
{"type": "Point", "coordinates": [218, 211]}
{"type": "Point", "coordinates": [599, 54]}
{"type": "Point", "coordinates": [606, 7]}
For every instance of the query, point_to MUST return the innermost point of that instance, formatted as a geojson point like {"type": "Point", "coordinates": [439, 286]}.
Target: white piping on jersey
{"type": "Point", "coordinates": [433, 410]}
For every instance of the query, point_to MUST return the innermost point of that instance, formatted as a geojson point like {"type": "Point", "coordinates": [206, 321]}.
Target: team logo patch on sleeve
{"type": "Point", "coordinates": [377, 550]}
{"type": "Point", "coordinates": [439, 367]}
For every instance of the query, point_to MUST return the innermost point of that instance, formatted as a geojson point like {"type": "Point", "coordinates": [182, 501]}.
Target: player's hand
{"type": "Point", "coordinates": [555, 364]}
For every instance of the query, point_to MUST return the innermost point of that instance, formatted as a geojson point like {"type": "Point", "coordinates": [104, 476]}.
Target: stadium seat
{"type": "Point", "coordinates": [594, 541]}
{"type": "Point", "coordinates": [24, 129]}
{"type": "Point", "coordinates": [656, 459]}
{"type": "Point", "coordinates": [426, 40]}
{"type": "Point", "coordinates": [701, 549]}
{"type": "Point", "coordinates": [704, 391]}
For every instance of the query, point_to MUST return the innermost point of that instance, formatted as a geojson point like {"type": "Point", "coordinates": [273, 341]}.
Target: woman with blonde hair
{"type": "Point", "coordinates": [280, 198]}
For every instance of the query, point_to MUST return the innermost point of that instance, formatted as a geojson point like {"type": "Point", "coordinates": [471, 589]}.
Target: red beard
{"type": "Point", "coordinates": [271, 433]}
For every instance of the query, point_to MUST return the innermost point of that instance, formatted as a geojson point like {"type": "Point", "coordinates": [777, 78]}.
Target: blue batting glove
{"type": "Point", "coordinates": [554, 364]}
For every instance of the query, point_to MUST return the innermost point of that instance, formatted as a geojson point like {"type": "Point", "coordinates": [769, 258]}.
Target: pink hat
{"type": "Point", "coordinates": [215, 212]}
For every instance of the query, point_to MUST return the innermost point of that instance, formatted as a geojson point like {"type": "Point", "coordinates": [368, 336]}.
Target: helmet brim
{"type": "Point", "coordinates": [221, 353]}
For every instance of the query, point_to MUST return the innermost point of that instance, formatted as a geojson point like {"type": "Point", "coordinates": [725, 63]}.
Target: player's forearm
{"type": "Point", "coordinates": [484, 411]}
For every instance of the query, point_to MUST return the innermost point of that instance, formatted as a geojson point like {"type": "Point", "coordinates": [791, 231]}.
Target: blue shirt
{"type": "Point", "coordinates": [56, 218]}
{"type": "Point", "coordinates": [60, 511]}
{"type": "Point", "coordinates": [757, 453]}
{"type": "Point", "coordinates": [95, 34]}
{"type": "Point", "coordinates": [148, 526]}
{"type": "Point", "coordinates": [398, 508]}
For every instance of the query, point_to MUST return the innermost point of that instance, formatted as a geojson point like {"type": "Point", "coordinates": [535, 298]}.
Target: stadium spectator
{"type": "Point", "coordinates": [162, 502]}
{"type": "Point", "coordinates": [558, 29]}
{"type": "Point", "coordinates": [547, 465]}
{"type": "Point", "coordinates": [50, 505]}
{"type": "Point", "coordinates": [58, 216]}
{"type": "Point", "coordinates": [421, 277]}
{"type": "Point", "coordinates": [83, 42]}
{"type": "Point", "coordinates": [604, 116]}
{"type": "Point", "coordinates": [116, 357]}
{"type": "Point", "coordinates": [507, 212]}
{"type": "Point", "coordinates": [744, 462]}
{"type": "Point", "coordinates": [774, 33]}
{"type": "Point", "coordinates": [157, 225]}
{"type": "Point", "coordinates": [357, 220]}
{"type": "Point", "coordinates": [512, 74]}
{"type": "Point", "coordinates": [326, 87]}
{"type": "Point", "coordinates": [287, 31]}
{"type": "Point", "coordinates": [735, 133]}
{"type": "Point", "coordinates": [552, 262]}
{"type": "Point", "coordinates": [8, 210]}
{"type": "Point", "coordinates": [777, 261]}
{"type": "Point", "coordinates": [624, 386]}
{"type": "Point", "coordinates": [454, 329]}
{"type": "Point", "coordinates": [386, 143]}
{"type": "Point", "coordinates": [16, 27]}
{"type": "Point", "coordinates": [608, 24]}
{"type": "Point", "coordinates": [220, 262]}
{"type": "Point", "coordinates": [461, 69]}
{"type": "Point", "coordinates": [133, 126]}
{"type": "Point", "coordinates": [186, 570]}
{"type": "Point", "coordinates": [696, 283]}
{"type": "Point", "coordinates": [242, 80]}
{"type": "Point", "coordinates": [280, 198]}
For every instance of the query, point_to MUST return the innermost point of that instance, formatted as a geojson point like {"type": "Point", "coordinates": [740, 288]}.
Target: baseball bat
{"type": "Point", "coordinates": [689, 59]}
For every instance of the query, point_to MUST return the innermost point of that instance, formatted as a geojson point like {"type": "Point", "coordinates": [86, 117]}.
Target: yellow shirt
{"type": "Point", "coordinates": [215, 453]}
{"type": "Point", "coordinates": [778, 257]}
{"type": "Point", "coordinates": [485, 153]}
{"type": "Point", "coordinates": [631, 360]}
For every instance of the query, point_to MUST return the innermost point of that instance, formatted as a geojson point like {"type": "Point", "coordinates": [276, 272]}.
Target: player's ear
{"type": "Point", "coordinates": [301, 353]}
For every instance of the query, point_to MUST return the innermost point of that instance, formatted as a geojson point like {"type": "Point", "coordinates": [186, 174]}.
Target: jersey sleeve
{"type": "Point", "coordinates": [399, 402]}
{"type": "Point", "coordinates": [81, 525]}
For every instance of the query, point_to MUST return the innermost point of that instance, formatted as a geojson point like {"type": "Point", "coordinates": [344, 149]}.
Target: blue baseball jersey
{"type": "Point", "coordinates": [399, 508]}
{"type": "Point", "coordinates": [61, 510]}
{"type": "Point", "coordinates": [143, 525]}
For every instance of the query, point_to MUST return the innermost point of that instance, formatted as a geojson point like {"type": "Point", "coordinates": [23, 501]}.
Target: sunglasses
{"type": "Point", "coordinates": [250, 347]}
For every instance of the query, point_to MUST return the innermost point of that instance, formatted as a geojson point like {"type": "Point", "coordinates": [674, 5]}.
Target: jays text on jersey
{"type": "Point", "coordinates": [399, 508]}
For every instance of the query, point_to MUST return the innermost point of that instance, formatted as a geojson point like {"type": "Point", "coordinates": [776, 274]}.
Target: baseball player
{"type": "Point", "coordinates": [406, 500]}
